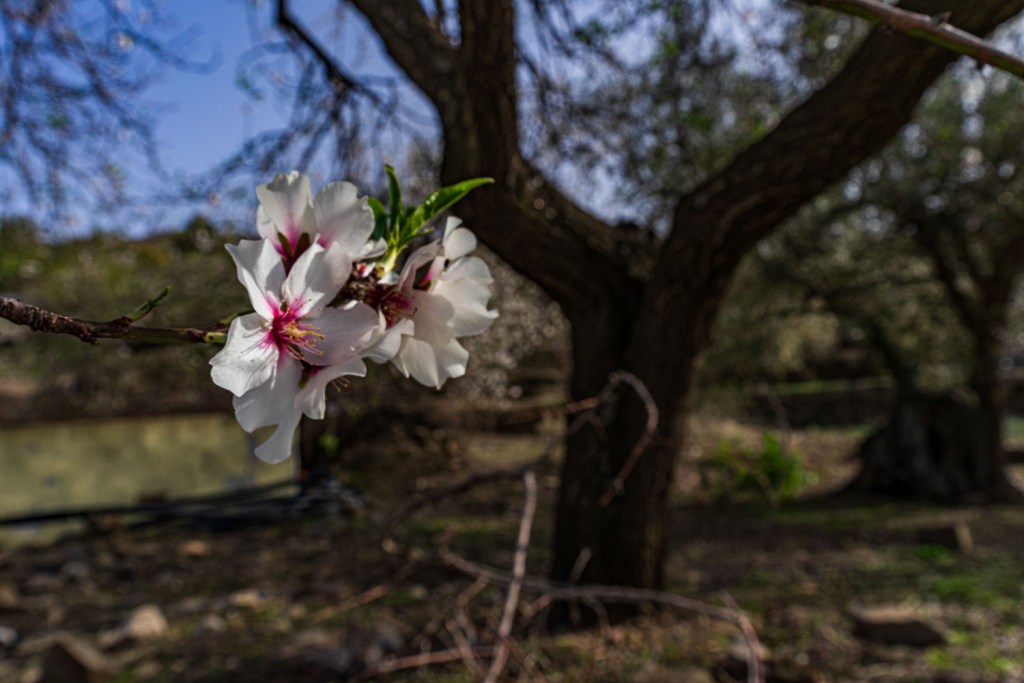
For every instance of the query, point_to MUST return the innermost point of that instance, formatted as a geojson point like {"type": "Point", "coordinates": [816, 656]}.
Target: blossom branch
{"type": "Point", "coordinates": [934, 29]}
{"type": "Point", "coordinates": [41, 320]}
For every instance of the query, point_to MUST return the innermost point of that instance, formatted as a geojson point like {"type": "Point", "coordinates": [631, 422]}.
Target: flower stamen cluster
{"type": "Point", "coordinates": [292, 335]}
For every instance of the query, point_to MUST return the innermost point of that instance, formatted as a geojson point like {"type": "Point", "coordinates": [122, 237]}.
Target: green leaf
{"type": "Point", "coordinates": [380, 217]}
{"type": "Point", "coordinates": [394, 198]}
{"type": "Point", "coordinates": [436, 202]}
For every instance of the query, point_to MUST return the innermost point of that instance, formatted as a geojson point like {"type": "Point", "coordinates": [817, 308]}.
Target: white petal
{"type": "Point", "coordinates": [285, 201]}
{"type": "Point", "coordinates": [311, 399]}
{"type": "Point", "coordinates": [248, 357]}
{"type": "Point", "coordinates": [450, 225]}
{"type": "Point", "coordinates": [416, 358]}
{"type": "Point", "coordinates": [417, 260]}
{"type": "Point", "coordinates": [279, 446]}
{"type": "Point", "coordinates": [433, 318]}
{"type": "Point", "coordinates": [372, 249]}
{"type": "Point", "coordinates": [451, 360]}
{"type": "Point", "coordinates": [316, 278]}
{"type": "Point", "coordinates": [468, 297]}
{"type": "Point", "coordinates": [343, 217]}
{"type": "Point", "coordinates": [272, 401]}
{"type": "Point", "coordinates": [458, 243]}
{"type": "Point", "coordinates": [431, 365]}
{"type": "Point", "coordinates": [387, 342]}
{"type": "Point", "coordinates": [346, 331]}
{"type": "Point", "coordinates": [261, 273]}
{"type": "Point", "coordinates": [471, 267]}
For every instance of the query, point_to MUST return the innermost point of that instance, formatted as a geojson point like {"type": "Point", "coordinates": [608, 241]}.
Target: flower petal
{"type": "Point", "coordinates": [431, 365]}
{"type": "Point", "coordinates": [417, 260]}
{"type": "Point", "coordinates": [468, 297]}
{"type": "Point", "coordinates": [279, 446]}
{"type": "Point", "coordinates": [469, 267]}
{"type": "Point", "coordinates": [272, 401]}
{"type": "Point", "coordinates": [387, 342]}
{"type": "Point", "coordinates": [312, 399]}
{"type": "Point", "coordinates": [248, 357]}
{"type": "Point", "coordinates": [457, 241]}
{"type": "Point", "coordinates": [285, 207]}
{"type": "Point", "coordinates": [261, 272]}
{"type": "Point", "coordinates": [343, 217]}
{"type": "Point", "coordinates": [432, 318]}
{"type": "Point", "coordinates": [316, 278]}
{"type": "Point", "coordinates": [346, 332]}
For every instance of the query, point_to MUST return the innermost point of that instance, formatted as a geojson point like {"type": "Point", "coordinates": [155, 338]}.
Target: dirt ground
{"type": "Point", "coordinates": [318, 599]}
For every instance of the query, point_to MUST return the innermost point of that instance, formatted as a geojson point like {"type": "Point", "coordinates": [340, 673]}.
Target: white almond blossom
{"type": "Point", "coordinates": [444, 292]}
{"type": "Point", "coordinates": [292, 219]}
{"type": "Point", "coordinates": [278, 360]}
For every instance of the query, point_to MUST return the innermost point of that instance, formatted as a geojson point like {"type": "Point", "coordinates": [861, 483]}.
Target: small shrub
{"type": "Point", "coordinates": [770, 472]}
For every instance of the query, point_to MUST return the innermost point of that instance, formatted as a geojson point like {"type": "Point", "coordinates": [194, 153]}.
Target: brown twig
{"type": "Point", "coordinates": [618, 485]}
{"type": "Point", "coordinates": [518, 573]}
{"type": "Point", "coordinates": [754, 672]}
{"type": "Point", "coordinates": [934, 29]}
{"type": "Point", "coordinates": [41, 320]}
{"type": "Point", "coordinates": [462, 644]}
{"type": "Point", "coordinates": [621, 595]}
{"type": "Point", "coordinates": [418, 661]}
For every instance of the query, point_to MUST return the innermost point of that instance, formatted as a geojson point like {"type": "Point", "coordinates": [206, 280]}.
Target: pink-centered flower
{"type": "Point", "coordinates": [444, 293]}
{"type": "Point", "coordinates": [292, 219]}
{"type": "Point", "coordinates": [278, 360]}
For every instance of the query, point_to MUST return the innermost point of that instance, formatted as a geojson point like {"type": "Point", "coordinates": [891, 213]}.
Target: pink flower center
{"type": "Point", "coordinates": [293, 335]}
{"type": "Point", "coordinates": [394, 302]}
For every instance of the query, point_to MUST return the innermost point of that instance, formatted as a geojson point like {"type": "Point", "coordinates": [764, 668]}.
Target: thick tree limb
{"type": "Point", "coordinates": [42, 320]}
{"type": "Point", "coordinates": [934, 29]}
{"type": "Point", "coordinates": [416, 44]}
{"type": "Point", "coordinates": [525, 219]}
{"type": "Point", "coordinates": [815, 146]}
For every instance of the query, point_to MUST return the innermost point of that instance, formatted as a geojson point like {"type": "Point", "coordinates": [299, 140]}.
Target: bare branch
{"type": "Point", "coordinates": [518, 573]}
{"type": "Point", "coordinates": [934, 29]}
{"type": "Point", "coordinates": [41, 320]}
{"type": "Point", "coordinates": [621, 595]}
{"type": "Point", "coordinates": [617, 487]}
{"type": "Point", "coordinates": [418, 661]}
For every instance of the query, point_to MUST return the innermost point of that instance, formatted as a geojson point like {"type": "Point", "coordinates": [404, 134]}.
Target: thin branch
{"type": "Point", "coordinates": [335, 74]}
{"type": "Point", "coordinates": [622, 595]}
{"type": "Point", "coordinates": [41, 320]}
{"type": "Point", "coordinates": [518, 573]}
{"type": "Point", "coordinates": [617, 487]}
{"type": "Point", "coordinates": [933, 29]}
{"type": "Point", "coordinates": [419, 661]}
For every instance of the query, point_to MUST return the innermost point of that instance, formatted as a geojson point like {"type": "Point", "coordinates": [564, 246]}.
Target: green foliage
{"type": "Point", "coordinates": [398, 225]}
{"type": "Point", "coordinates": [931, 552]}
{"type": "Point", "coordinates": [771, 472]}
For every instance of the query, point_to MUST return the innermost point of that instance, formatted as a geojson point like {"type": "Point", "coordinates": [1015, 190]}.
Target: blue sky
{"type": "Point", "coordinates": [203, 117]}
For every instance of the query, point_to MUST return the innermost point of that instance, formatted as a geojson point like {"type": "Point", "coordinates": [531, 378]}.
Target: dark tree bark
{"type": "Point", "coordinates": [652, 320]}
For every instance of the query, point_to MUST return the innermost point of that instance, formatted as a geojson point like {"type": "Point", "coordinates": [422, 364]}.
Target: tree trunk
{"type": "Point", "coordinates": [941, 447]}
{"type": "Point", "coordinates": [650, 321]}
